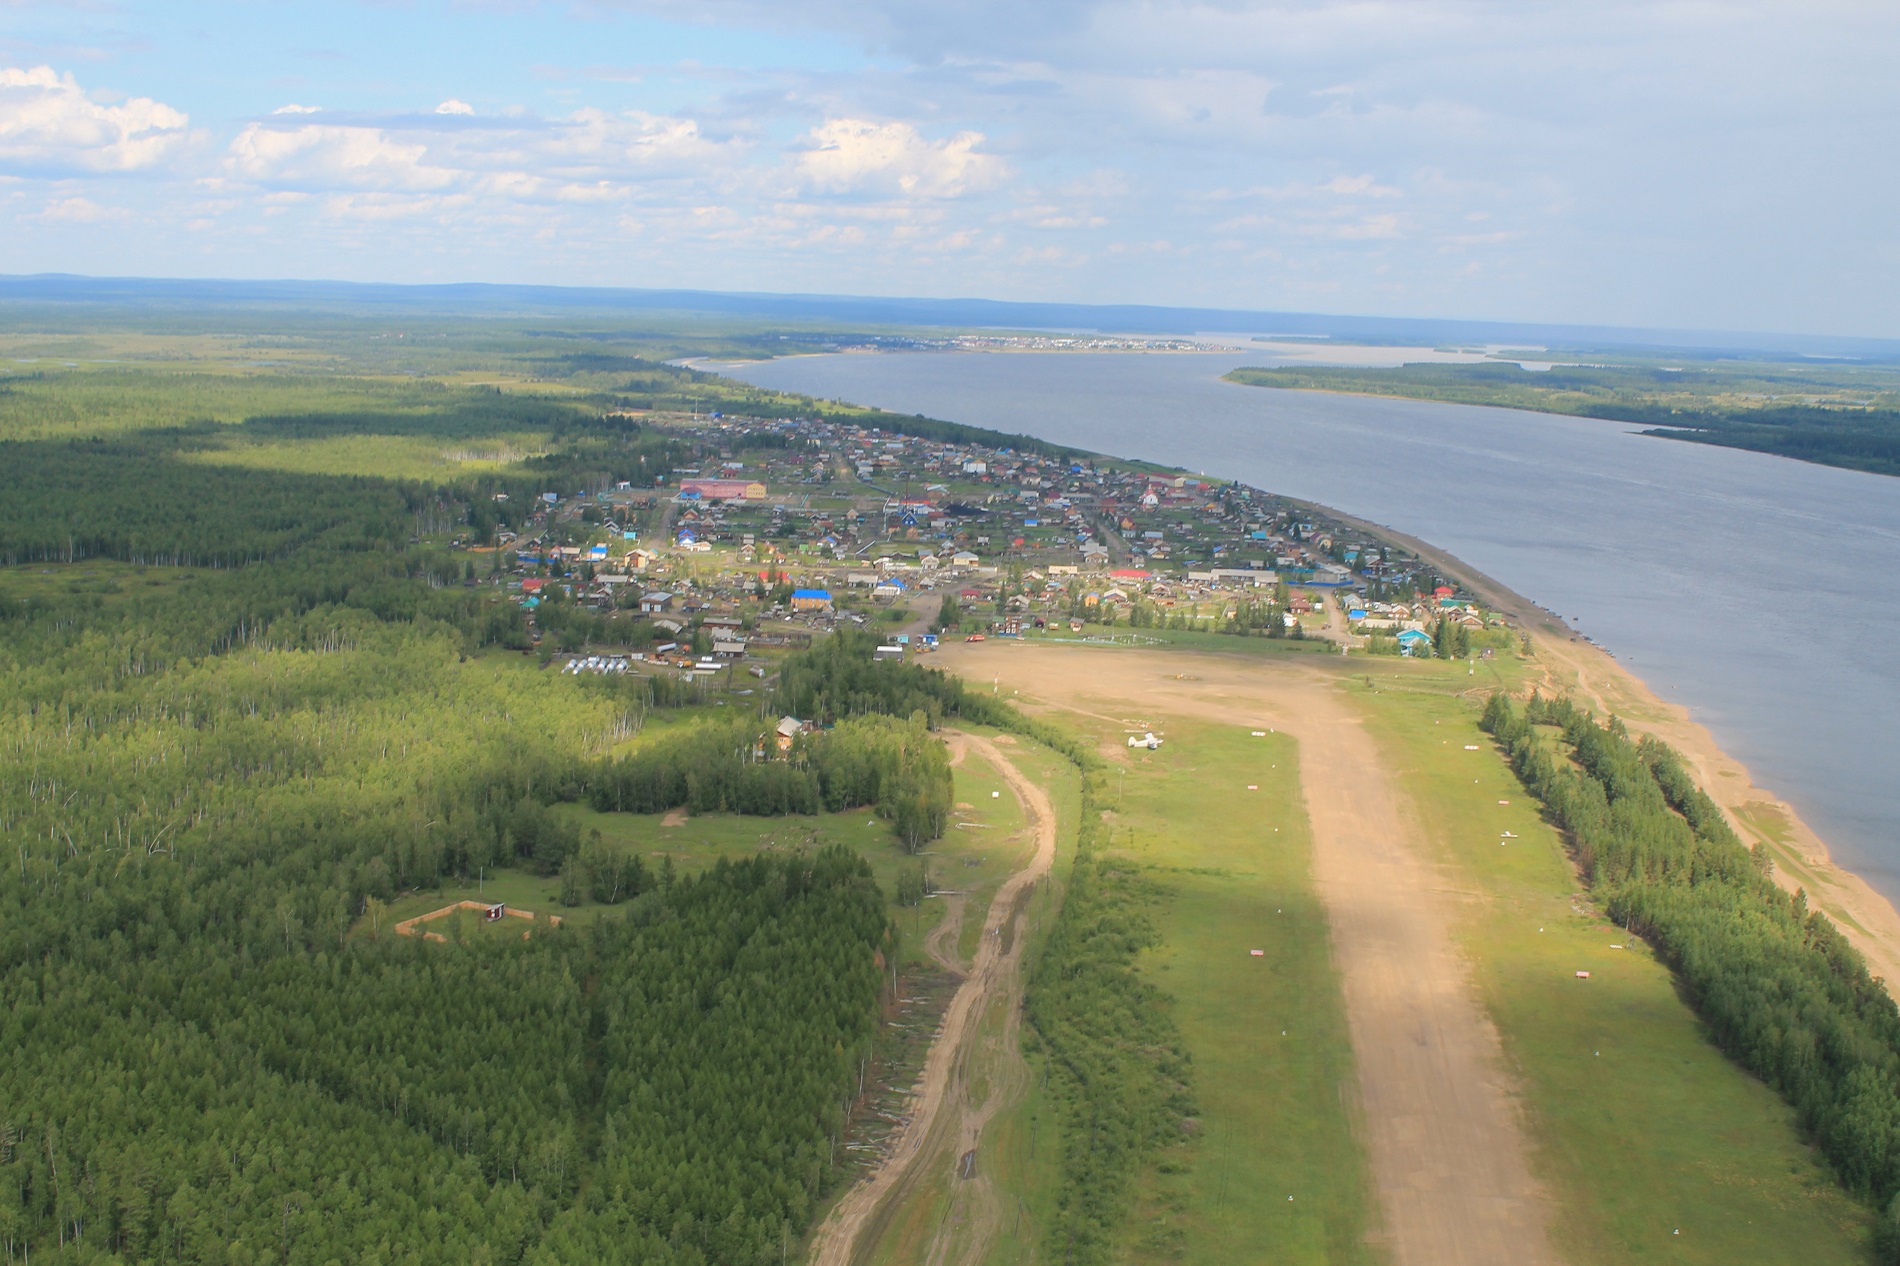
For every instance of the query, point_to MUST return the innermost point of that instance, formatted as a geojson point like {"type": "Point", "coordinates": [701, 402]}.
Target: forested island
{"type": "Point", "coordinates": [1836, 415]}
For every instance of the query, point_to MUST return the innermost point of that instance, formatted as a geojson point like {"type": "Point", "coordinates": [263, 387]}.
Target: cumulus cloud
{"type": "Point", "coordinates": [1219, 151]}
{"type": "Point", "coordinates": [48, 124]}
{"type": "Point", "coordinates": [326, 157]}
{"type": "Point", "coordinates": [79, 210]}
{"type": "Point", "coordinates": [851, 155]}
{"type": "Point", "coordinates": [590, 156]}
{"type": "Point", "coordinates": [632, 144]}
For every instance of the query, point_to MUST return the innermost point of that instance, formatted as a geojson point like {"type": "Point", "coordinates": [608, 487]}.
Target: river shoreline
{"type": "Point", "coordinates": [1404, 452]}
{"type": "Point", "coordinates": [1591, 674]}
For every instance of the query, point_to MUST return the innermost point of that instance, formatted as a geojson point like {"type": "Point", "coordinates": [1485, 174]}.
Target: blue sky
{"type": "Point", "coordinates": [1705, 163]}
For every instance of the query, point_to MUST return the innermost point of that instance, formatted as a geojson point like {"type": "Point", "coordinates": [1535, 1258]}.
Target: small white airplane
{"type": "Point", "coordinates": [1148, 741]}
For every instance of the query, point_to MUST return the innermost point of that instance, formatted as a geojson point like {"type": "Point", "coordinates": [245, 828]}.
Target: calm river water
{"type": "Point", "coordinates": [1758, 591]}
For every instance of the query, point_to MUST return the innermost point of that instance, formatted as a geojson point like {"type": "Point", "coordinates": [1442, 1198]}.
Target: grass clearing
{"type": "Point", "coordinates": [1653, 1145]}
{"type": "Point", "coordinates": [1272, 1056]}
{"type": "Point", "coordinates": [972, 862]}
{"type": "Point", "coordinates": [104, 579]}
{"type": "Point", "coordinates": [520, 889]}
{"type": "Point", "coordinates": [421, 458]}
{"type": "Point", "coordinates": [1188, 639]}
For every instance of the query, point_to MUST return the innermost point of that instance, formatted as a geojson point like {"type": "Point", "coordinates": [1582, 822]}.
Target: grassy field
{"type": "Point", "coordinates": [418, 457]}
{"type": "Point", "coordinates": [984, 845]}
{"type": "Point", "coordinates": [1654, 1146]}
{"type": "Point", "coordinates": [1195, 640]}
{"type": "Point", "coordinates": [1275, 1174]}
{"type": "Point", "coordinates": [100, 578]}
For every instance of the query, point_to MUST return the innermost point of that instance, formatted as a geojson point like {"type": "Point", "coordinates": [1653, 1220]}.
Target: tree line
{"type": "Point", "coordinates": [895, 766]}
{"type": "Point", "coordinates": [1780, 989]}
{"type": "Point", "coordinates": [1709, 405]}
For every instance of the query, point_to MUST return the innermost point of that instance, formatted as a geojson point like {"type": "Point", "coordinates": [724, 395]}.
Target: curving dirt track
{"type": "Point", "coordinates": [1441, 1122]}
{"type": "Point", "coordinates": [940, 943]}
{"type": "Point", "coordinates": [849, 1234]}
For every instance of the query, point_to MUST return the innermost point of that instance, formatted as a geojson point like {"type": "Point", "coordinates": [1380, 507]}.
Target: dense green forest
{"type": "Point", "coordinates": [1777, 984]}
{"type": "Point", "coordinates": [732, 766]}
{"type": "Point", "coordinates": [1838, 415]}
{"type": "Point", "coordinates": [206, 1065]}
{"type": "Point", "coordinates": [264, 705]}
{"type": "Point", "coordinates": [247, 704]}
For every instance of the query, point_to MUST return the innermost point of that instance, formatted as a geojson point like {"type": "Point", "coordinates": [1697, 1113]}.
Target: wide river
{"type": "Point", "coordinates": [1760, 592]}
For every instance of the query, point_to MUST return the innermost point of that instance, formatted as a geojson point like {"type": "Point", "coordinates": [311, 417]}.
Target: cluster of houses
{"type": "Point", "coordinates": [789, 526]}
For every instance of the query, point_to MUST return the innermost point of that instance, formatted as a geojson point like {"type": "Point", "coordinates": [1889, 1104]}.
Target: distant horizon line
{"type": "Point", "coordinates": [1118, 318]}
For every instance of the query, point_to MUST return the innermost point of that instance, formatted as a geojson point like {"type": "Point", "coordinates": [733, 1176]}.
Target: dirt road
{"type": "Point", "coordinates": [1441, 1124]}
{"type": "Point", "coordinates": [940, 943]}
{"type": "Point", "coordinates": [1442, 1133]}
{"type": "Point", "coordinates": [945, 1121]}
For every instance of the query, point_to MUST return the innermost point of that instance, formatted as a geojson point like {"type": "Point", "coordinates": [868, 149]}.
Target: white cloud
{"type": "Point", "coordinates": [49, 124]}
{"type": "Point", "coordinates": [78, 210]}
{"type": "Point", "coordinates": [590, 156]}
{"type": "Point", "coordinates": [294, 108]}
{"type": "Point", "coordinates": [631, 145]}
{"type": "Point", "coordinates": [853, 155]}
{"type": "Point", "coordinates": [1246, 152]}
{"type": "Point", "coordinates": [389, 206]}
{"type": "Point", "coordinates": [1365, 226]}
{"type": "Point", "coordinates": [324, 157]}
{"type": "Point", "coordinates": [1359, 184]}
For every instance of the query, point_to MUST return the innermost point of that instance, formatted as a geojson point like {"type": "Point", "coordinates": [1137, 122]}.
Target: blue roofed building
{"type": "Point", "coordinates": [811, 600]}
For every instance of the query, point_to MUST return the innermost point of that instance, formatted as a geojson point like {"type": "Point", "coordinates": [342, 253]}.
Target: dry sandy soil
{"type": "Point", "coordinates": [1442, 1129]}
{"type": "Point", "coordinates": [946, 1121]}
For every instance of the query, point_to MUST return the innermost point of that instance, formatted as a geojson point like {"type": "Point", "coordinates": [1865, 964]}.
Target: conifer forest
{"type": "Point", "coordinates": [244, 708]}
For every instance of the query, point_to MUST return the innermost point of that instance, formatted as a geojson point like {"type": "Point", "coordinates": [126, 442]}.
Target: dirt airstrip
{"type": "Point", "coordinates": [1442, 1131]}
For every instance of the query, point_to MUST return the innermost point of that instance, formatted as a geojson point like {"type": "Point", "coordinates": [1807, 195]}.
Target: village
{"type": "Point", "coordinates": [790, 527]}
